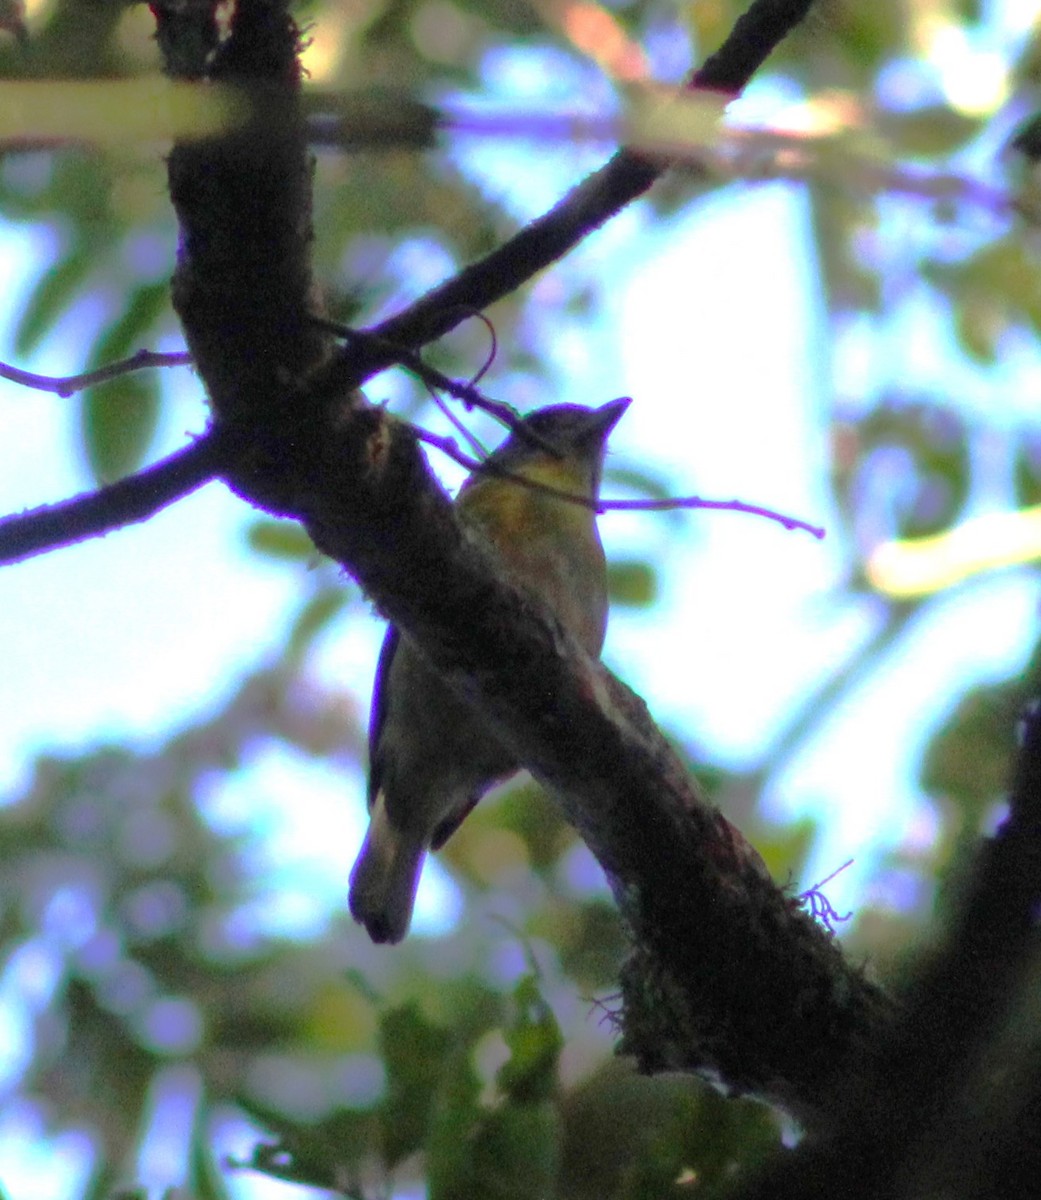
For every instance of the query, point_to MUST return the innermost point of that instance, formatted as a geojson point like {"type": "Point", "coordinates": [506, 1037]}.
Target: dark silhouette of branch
{"type": "Point", "coordinates": [135, 498]}
{"type": "Point", "coordinates": [945, 1109]}
{"type": "Point", "coordinates": [67, 385]}
{"type": "Point", "coordinates": [595, 200]}
{"type": "Point", "coordinates": [410, 359]}
{"type": "Point", "coordinates": [727, 975]}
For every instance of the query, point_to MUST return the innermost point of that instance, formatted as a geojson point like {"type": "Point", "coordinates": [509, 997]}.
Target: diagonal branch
{"type": "Point", "coordinates": [602, 195]}
{"type": "Point", "coordinates": [727, 974]}
{"type": "Point", "coordinates": [133, 499]}
{"type": "Point", "coordinates": [911, 1125]}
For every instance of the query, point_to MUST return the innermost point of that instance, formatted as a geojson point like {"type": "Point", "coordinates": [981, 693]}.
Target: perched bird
{"type": "Point", "coordinates": [432, 755]}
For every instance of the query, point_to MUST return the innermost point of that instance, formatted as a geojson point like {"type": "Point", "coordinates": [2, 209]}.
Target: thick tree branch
{"type": "Point", "coordinates": [912, 1125]}
{"type": "Point", "coordinates": [728, 975]}
{"type": "Point", "coordinates": [133, 499]}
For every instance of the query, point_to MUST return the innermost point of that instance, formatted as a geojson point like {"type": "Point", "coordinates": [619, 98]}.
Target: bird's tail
{"type": "Point", "coordinates": [384, 878]}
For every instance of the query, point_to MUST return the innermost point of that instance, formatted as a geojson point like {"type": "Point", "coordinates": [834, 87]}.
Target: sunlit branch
{"type": "Point", "coordinates": [133, 499]}
{"type": "Point", "coordinates": [66, 385]}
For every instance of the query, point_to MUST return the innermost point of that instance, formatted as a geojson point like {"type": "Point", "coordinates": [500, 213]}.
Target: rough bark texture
{"type": "Point", "coordinates": [727, 976]}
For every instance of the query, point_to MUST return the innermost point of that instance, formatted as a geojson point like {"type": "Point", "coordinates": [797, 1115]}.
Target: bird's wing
{"type": "Point", "coordinates": [378, 713]}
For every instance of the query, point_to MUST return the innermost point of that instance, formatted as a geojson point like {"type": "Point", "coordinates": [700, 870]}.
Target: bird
{"type": "Point", "coordinates": [432, 755]}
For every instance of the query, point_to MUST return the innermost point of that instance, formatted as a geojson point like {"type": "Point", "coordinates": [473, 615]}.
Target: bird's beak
{"type": "Point", "coordinates": [609, 414]}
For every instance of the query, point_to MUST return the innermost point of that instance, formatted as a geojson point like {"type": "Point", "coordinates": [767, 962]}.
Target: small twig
{"type": "Point", "coordinates": [449, 447]}
{"type": "Point", "coordinates": [457, 422]}
{"type": "Point", "coordinates": [123, 503]}
{"type": "Point", "coordinates": [754, 510]}
{"type": "Point", "coordinates": [433, 378]}
{"type": "Point", "coordinates": [828, 878]}
{"type": "Point", "coordinates": [66, 385]}
{"type": "Point", "coordinates": [411, 361]}
{"type": "Point", "coordinates": [493, 349]}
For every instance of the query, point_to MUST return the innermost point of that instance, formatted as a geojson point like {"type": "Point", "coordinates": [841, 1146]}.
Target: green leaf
{"type": "Point", "coordinates": [314, 617]}
{"type": "Point", "coordinates": [593, 944]}
{"type": "Point", "coordinates": [119, 417]}
{"type": "Point", "coordinates": [840, 221]}
{"type": "Point", "coordinates": [645, 484]}
{"type": "Point", "coordinates": [414, 1051]}
{"type": "Point", "coordinates": [1028, 469]}
{"type": "Point", "coordinates": [969, 758]}
{"type": "Point", "coordinates": [633, 583]}
{"type": "Point", "coordinates": [528, 811]}
{"type": "Point", "coordinates": [978, 326]}
{"type": "Point", "coordinates": [516, 1153]}
{"type": "Point", "coordinates": [928, 132]}
{"type": "Point", "coordinates": [54, 293]}
{"type": "Point", "coordinates": [320, 1155]}
{"type": "Point", "coordinates": [454, 1120]}
{"type": "Point", "coordinates": [118, 421]}
{"type": "Point", "coordinates": [284, 540]}
{"type": "Point", "coordinates": [145, 305]}
{"type": "Point", "coordinates": [722, 1140]}
{"type": "Point", "coordinates": [534, 1041]}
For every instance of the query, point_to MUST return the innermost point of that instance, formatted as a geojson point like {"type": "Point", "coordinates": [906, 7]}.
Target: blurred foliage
{"type": "Point", "coordinates": [130, 929]}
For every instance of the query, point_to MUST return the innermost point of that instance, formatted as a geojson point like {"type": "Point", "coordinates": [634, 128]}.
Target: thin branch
{"type": "Point", "coordinates": [66, 385]}
{"type": "Point", "coordinates": [408, 358]}
{"type": "Point", "coordinates": [595, 200]}
{"type": "Point", "coordinates": [755, 510]}
{"type": "Point", "coordinates": [449, 447]}
{"type": "Point", "coordinates": [468, 393]}
{"type": "Point", "coordinates": [133, 499]}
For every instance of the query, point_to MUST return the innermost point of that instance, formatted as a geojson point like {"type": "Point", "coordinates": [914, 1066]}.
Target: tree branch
{"type": "Point", "coordinates": [602, 195]}
{"type": "Point", "coordinates": [135, 498]}
{"type": "Point", "coordinates": [910, 1126]}
{"type": "Point", "coordinates": [68, 385]}
{"type": "Point", "coordinates": [727, 974]}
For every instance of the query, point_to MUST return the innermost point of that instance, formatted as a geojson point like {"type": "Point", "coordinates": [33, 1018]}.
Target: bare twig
{"type": "Point", "coordinates": [408, 358]}
{"type": "Point", "coordinates": [66, 385]}
{"type": "Point", "coordinates": [449, 447]}
{"type": "Point", "coordinates": [755, 510]}
{"type": "Point", "coordinates": [435, 379]}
